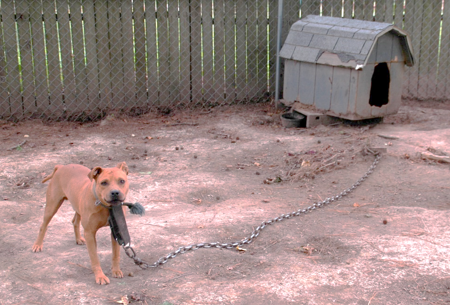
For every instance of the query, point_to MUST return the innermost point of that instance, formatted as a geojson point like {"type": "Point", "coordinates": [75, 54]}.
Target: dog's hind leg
{"type": "Point", "coordinates": [76, 227]}
{"type": "Point", "coordinates": [51, 208]}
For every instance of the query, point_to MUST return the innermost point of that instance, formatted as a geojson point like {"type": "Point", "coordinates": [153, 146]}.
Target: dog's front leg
{"type": "Point", "coordinates": [91, 244]}
{"type": "Point", "coordinates": [116, 258]}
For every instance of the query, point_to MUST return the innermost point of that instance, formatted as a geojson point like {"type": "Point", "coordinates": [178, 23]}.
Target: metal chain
{"type": "Point", "coordinates": [132, 254]}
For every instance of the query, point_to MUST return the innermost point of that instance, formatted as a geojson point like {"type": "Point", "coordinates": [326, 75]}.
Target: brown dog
{"type": "Point", "coordinates": [82, 187]}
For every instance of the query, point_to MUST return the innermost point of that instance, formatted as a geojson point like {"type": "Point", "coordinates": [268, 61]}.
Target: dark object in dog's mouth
{"type": "Point", "coordinates": [114, 202]}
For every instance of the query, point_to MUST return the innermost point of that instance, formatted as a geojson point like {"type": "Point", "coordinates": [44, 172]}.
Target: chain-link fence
{"type": "Point", "coordinates": [78, 60]}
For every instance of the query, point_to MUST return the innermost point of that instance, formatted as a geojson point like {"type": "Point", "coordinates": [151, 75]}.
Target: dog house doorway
{"type": "Point", "coordinates": [379, 90]}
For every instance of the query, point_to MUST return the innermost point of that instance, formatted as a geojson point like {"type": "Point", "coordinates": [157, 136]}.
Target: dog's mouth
{"type": "Point", "coordinates": [114, 202]}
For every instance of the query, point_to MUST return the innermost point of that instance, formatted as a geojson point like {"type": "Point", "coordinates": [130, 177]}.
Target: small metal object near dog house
{"type": "Point", "coordinates": [345, 68]}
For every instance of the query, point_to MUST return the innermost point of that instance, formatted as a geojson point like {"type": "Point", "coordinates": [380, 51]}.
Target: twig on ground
{"type": "Point", "coordinates": [179, 124]}
{"type": "Point", "coordinates": [372, 298]}
{"type": "Point", "coordinates": [79, 265]}
{"type": "Point", "coordinates": [388, 137]}
{"type": "Point", "coordinates": [17, 146]}
{"type": "Point", "coordinates": [155, 225]}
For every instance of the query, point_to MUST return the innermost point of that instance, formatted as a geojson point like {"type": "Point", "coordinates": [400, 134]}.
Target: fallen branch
{"type": "Point", "coordinates": [17, 146]}
{"type": "Point", "coordinates": [388, 137]}
{"type": "Point", "coordinates": [430, 156]}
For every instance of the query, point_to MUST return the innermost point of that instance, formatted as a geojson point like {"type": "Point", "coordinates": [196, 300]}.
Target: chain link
{"type": "Point", "coordinates": [132, 254]}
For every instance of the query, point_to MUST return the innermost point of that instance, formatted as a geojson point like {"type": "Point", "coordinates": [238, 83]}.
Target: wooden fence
{"type": "Point", "coordinates": [67, 59]}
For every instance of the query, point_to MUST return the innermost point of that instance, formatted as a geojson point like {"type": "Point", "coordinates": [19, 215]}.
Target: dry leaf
{"type": "Point", "coordinates": [124, 300]}
{"type": "Point", "coordinates": [356, 205]}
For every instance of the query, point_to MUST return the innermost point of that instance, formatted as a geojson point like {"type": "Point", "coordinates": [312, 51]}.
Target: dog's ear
{"type": "Point", "coordinates": [123, 166]}
{"type": "Point", "coordinates": [95, 172]}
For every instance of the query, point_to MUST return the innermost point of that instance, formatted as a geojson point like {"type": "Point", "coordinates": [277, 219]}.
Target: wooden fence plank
{"type": "Point", "coordinates": [241, 51]}
{"type": "Point", "coordinates": [185, 54]}
{"type": "Point", "coordinates": [219, 55]}
{"type": "Point", "coordinates": [68, 76]}
{"type": "Point", "coordinates": [103, 53]}
{"type": "Point", "coordinates": [380, 11]}
{"type": "Point", "coordinates": [92, 66]}
{"type": "Point", "coordinates": [262, 50]}
{"type": "Point", "coordinates": [196, 52]}
{"type": "Point", "coordinates": [40, 75]}
{"type": "Point", "coordinates": [4, 95]}
{"type": "Point", "coordinates": [26, 61]}
{"type": "Point", "coordinates": [174, 53]}
{"type": "Point", "coordinates": [252, 49]}
{"type": "Point", "coordinates": [348, 8]}
{"type": "Point", "coordinates": [443, 80]}
{"type": "Point", "coordinates": [389, 13]}
{"type": "Point", "coordinates": [273, 24]}
{"type": "Point", "coordinates": [163, 53]}
{"type": "Point", "coordinates": [413, 25]}
{"type": "Point", "coordinates": [116, 49]}
{"type": "Point", "coordinates": [364, 9]}
{"type": "Point", "coordinates": [208, 59]}
{"type": "Point", "coordinates": [78, 58]}
{"type": "Point", "coordinates": [337, 8]}
{"type": "Point", "coordinates": [129, 97]}
{"type": "Point", "coordinates": [12, 63]}
{"type": "Point", "coordinates": [53, 64]}
{"type": "Point", "coordinates": [332, 8]}
{"type": "Point", "coordinates": [398, 13]}
{"type": "Point", "coordinates": [311, 7]}
{"type": "Point", "coordinates": [429, 48]}
{"type": "Point", "coordinates": [152, 53]}
{"type": "Point", "coordinates": [290, 15]}
{"type": "Point", "coordinates": [327, 8]}
{"type": "Point", "coordinates": [230, 80]}
{"type": "Point", "coordinates": [140, 60]}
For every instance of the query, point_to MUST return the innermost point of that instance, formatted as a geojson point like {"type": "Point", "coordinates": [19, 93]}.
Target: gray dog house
{"type": "Point", "coordinates": [347, 68]}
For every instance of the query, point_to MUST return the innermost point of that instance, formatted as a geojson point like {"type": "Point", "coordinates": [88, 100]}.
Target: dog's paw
{"type": "Point", "coordinates": [102, 280]}
{"type": "Point", "coordinates": [117, 273]}
{"type": "Point", "coordinates": [81, 241]}
{"type": "Point", "coordinates": [37, 248]}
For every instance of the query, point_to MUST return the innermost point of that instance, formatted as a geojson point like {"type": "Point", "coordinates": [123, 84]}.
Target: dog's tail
{"type": "Point", "coordinates": [52, 174]}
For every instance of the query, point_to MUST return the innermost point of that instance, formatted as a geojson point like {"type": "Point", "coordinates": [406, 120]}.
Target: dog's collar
{"type": "Point", "coordinates": [98, 202]}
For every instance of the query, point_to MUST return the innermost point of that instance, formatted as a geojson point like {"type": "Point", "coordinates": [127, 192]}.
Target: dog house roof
{"type": "Point", "coordinates": [338, 41]}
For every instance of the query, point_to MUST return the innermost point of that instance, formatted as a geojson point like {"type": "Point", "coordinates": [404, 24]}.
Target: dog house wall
{"type": "Point", "coordinates": [326, 69]}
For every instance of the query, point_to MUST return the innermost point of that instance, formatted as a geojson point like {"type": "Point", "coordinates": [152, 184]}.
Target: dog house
{"type": "Point", "coordinates": [346, 68]}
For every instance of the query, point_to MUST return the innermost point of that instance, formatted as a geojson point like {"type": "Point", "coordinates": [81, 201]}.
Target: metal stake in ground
{"type": "Point", "coordinates": [143, 265]}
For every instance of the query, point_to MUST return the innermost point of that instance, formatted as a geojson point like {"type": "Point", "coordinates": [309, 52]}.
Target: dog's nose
{"type": "Point", "coordinates": [115, 194]}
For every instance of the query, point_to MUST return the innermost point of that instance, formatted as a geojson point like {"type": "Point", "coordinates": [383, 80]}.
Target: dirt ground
{"type": "Point", "coordinates": [215, 176]}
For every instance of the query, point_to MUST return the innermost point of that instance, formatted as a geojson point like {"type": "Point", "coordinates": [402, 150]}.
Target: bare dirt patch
{"type": "Point", "coordinates": [215, 177]}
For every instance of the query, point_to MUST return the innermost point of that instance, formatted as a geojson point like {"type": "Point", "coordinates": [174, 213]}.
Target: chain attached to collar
{"type": "Point", "coordinates": [143, 265]}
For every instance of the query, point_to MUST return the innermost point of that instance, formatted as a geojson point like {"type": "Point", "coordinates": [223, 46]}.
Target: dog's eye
{"type": "Point", "coordinates": [104, 183]}
{"type": "Point", "coordinates": [121, 181]}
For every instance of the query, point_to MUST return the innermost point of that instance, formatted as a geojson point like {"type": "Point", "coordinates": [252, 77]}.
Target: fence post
{"type": "Point", "coordinates": [279, 32]}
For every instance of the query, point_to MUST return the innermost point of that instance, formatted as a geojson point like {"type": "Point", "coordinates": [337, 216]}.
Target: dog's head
{"type": "Point", "coordinates": [111, 184]}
